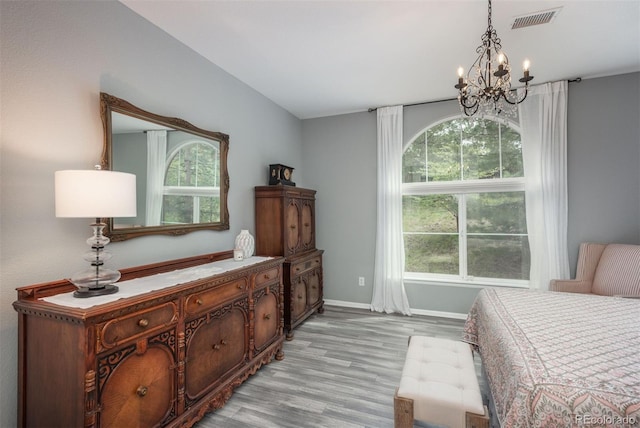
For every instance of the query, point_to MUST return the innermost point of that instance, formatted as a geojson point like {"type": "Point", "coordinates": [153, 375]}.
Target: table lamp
{"type": "Point", "coordinates": [95, 194]}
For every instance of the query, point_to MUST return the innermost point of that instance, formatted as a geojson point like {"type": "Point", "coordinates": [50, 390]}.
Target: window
{"type": "Point", "coordinates": [192, 185]}
{"type": "Point", "coordinates": [463, 204]}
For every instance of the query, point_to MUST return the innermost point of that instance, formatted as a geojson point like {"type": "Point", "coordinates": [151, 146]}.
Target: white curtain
{"type": "Point", "coordinates": [388, 287]}
{"type": "Point", "coordinates": [156, 163]}
{"type": "Point", "coordinates": [543, 121]}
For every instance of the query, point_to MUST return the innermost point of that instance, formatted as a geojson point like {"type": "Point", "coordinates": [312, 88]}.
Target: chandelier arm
{"type": "Point", "coordinates": [517, 101]}
{"type": "Point", "coordinates": [463, 101]}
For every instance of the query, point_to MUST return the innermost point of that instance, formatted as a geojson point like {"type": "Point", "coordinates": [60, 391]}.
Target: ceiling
{"type": "Point", "coordinates": [322, 58]}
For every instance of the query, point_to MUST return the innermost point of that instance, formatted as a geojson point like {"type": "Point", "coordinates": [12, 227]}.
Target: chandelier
{"type": "Point", "coordinates": [487, 88]}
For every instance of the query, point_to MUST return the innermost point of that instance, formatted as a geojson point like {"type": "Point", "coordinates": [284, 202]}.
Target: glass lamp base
{"type": "Point", "coordinates": [92, 292]}
{"type": "Point", "coordinates": [97, 280]}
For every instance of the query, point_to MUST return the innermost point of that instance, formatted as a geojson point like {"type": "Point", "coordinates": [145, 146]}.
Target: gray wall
{"type": "Point", "coordinates": [604, 161]}
{"type": "Point", "coordinates": [56, 57]}
{"type": "Point", "coordinates": [129, 154]}
{"type": "Point", "coordinates": [603, 183]}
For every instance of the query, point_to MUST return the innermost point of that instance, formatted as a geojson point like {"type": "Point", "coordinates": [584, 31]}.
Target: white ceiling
{"type": "Point", "coordinates": [321, 58]}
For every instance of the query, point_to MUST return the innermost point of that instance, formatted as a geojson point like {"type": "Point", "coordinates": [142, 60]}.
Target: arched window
{"type": "Point", "coordinates": [192, 184]}
{"type": "Point", "coordinates": [464, 204]}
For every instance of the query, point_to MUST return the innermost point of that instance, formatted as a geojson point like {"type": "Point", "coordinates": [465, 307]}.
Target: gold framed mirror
{"type": "Point", "coordinates": [181, 171]}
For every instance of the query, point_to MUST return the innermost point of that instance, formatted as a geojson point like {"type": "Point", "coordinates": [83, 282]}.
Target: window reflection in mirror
{"type": "Point", "coordinates": [182, 181]}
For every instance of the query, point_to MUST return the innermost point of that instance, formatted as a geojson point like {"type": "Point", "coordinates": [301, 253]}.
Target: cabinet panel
{"type": "Point", "coordinates": [307, 225]}
{"type": "Point", "coordinates": [298, 298]}
{"type": "Point", "coordinates": [267, 320]}
{"type": "Point", "coordinates": [291, 225]}
{"type": "Point", "coordinates": [314, 287]}
{"type": "Point", "coordinates": [137, 386]}
{"type": "Point", "coordinates": [216, 344]}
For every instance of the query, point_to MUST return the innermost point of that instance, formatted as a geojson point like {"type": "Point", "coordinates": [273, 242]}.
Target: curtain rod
{"type": "Point", "coordinates": [372, 109]}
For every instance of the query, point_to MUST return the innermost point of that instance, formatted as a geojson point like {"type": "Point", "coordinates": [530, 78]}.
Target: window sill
{"type": "Point", "coordinates": [421, 279]}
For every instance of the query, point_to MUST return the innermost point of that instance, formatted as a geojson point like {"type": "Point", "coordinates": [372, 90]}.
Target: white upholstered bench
{"type": "Point", "coordinates": [439, 386]}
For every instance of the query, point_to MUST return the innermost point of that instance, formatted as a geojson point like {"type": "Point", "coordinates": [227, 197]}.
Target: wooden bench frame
{"type": "Point", "coordinates": [403, 414]}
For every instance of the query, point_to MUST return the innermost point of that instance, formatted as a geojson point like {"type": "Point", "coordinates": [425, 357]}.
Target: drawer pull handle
{"type": "Point", "coordinates": [143, 322]}
{"type": "Point", "coordinates": [142, 391]}
{"type": "Point", "coordinates": [306, 225]}
{"type": "Point", "coordinates": [313, 287]}
{"type": "Point", "coordinates": [199, 302]}
{"type": "Point", "coordinates": [266, 276]}
{"type": "Point", "coordinates": [240, 286]}
{"type": "Point", "coordinates": [267, 316]}
{"type": "Point", "coordinates": [293, 226]}
{"type": "Point", "coordinates": [299, 296]}
{"type": "Point", "coordinates": [217, 346]}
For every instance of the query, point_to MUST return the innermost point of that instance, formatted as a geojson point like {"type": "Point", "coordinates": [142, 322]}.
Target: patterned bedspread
{"type": "Point", "coordinates": [559, 359]}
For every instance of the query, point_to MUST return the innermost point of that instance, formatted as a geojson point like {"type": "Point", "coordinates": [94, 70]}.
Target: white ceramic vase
{"type": "Point", "coordinates": [246, 243]}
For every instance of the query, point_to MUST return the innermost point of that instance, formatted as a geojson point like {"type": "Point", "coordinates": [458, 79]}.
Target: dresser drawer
{"type": "Point", "coordinates": [300, 267]}
{"type": "Point", "coordinates": [206, 299]}
{"type": "Point", "coordinates": [267, 276]}
{"type": "Point", "coordinates": [135, 325]}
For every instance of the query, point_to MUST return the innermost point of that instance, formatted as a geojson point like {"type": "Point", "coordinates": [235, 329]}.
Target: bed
{"type": "Point", "coordinates": [558, 359]}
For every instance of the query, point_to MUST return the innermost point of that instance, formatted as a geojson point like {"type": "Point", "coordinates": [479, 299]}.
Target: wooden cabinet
{"type": "Point", "coordinates": [285, 226]}
{"type": "Point", "coordinates": [162, 358]}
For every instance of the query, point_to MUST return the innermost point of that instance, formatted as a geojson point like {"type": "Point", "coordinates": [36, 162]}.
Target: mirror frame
{"type": "Point", "coordinates": [109, 104]}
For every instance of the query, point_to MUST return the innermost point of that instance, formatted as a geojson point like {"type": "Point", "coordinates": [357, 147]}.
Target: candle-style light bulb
{"type": "Point", "coordinates": [461, 85]}
{"type": "Point", "coordinates": [501, 59]}
{"type": "Point", "coordinates": [526, 78]}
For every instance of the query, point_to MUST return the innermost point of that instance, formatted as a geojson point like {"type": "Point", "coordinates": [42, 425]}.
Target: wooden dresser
{"type": "Point", "coordinates": [160, 358]}
{"type": "Point", "coordinates": [285, 226]}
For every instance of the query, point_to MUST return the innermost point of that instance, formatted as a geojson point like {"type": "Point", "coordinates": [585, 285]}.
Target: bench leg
{"type": "Point", "coordinates": [402, 412]}
{"type": "Point", "coordinates": [478, 421]}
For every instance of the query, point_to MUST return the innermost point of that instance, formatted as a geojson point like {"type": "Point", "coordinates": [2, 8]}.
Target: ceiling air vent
{"type": "Point", "coordinates": [535, 18]}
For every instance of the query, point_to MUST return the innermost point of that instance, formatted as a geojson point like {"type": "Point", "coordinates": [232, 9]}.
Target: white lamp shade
{"type": "Point", "coordinates": [95, 194]}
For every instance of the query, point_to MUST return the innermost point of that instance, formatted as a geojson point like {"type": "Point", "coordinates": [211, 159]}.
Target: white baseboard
{"type": "Point", "coordinates": [454, 315]}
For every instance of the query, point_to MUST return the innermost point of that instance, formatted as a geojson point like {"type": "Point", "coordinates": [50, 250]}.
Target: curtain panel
{"type": "Point", "coordinates": [388, 286]}
{"type": "Point", "coordinates": [543, 121]}
{"type": "Point", "coordinates": [156, 164]}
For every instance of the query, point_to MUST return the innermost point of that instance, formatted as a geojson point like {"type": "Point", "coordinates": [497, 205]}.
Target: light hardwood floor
{"type": "Point", "coordinates": [340, 371]}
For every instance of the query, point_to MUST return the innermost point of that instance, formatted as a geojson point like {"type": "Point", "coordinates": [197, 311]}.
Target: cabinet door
{"type": "Point", "coordinates": [292, 226]}
{"type": "Point", "coordinates": [267, 316]}
{"type": "Point", "coordinates": [314, 285]}
{"type": "Point", "coordinates": [298, 299]}
{"type": "Point", "coordinates": [216, 344]}
{"type": "Point", "coordinates": [307, 226]}
{"type": "Point", "coordinates": [137, 384]}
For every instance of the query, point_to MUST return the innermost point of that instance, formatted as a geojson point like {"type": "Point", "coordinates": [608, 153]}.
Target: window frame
{"type": "Point", "coordinates": [463, 187]}
{"type": "Point", "coordinates": [194, 191]}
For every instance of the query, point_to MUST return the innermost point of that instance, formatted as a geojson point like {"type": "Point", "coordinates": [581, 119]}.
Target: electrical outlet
{"type": "Point", "coordinates": [361, 281]}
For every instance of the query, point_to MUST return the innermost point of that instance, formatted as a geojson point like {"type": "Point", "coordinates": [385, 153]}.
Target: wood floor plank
{"type": "Point", "coordinates": [340, 371]}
